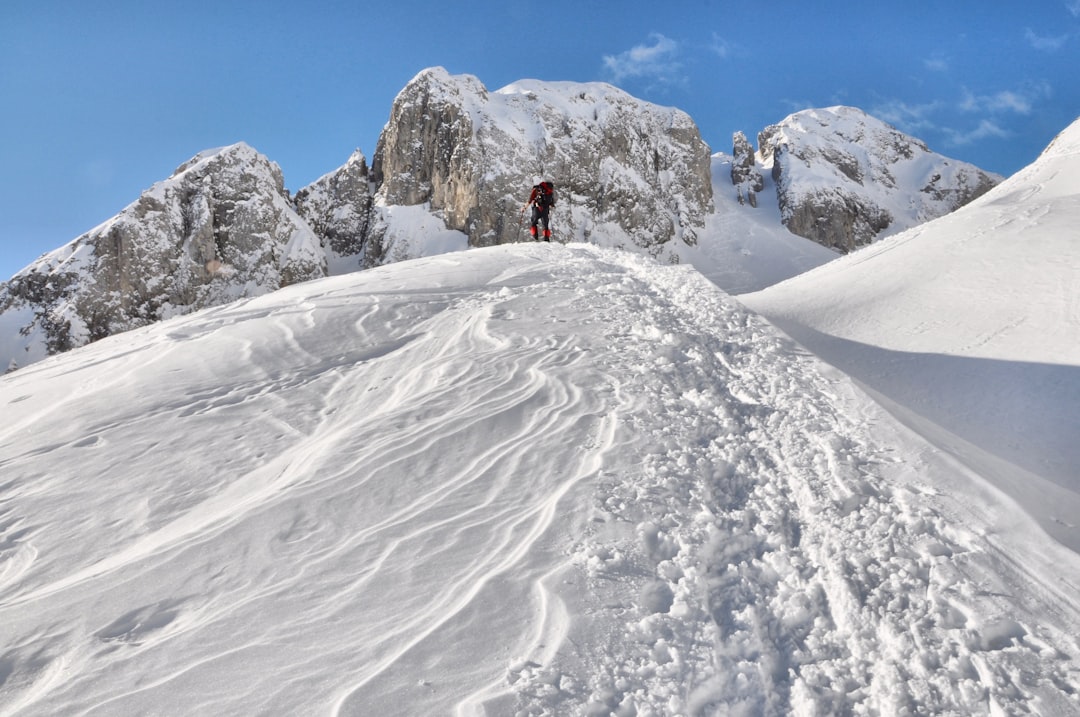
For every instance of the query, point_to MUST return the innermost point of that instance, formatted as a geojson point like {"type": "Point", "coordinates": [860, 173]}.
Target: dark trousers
{"type": "Point", "coordinates": [541, 215]}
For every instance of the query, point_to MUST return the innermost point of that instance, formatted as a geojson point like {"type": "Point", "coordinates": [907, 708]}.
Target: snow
{"type": "Point", "coordinates": [867, 158]}
{"type": "Point", "coordinates": [522, 480]}
{"type": "Point", "coordinates": [10, 345]}
{"type": "Point", "coordinates": [416, 232]}
{"type": "Point", "coordinates": [744, 248]}
{"type": "Point", "coordinates": [969, 327]}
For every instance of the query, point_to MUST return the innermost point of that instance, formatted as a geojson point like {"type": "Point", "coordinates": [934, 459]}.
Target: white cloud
{"type": "Point", "coordinates": [938, 62]}
{"type": "Point", "coordinates": [913, 119]}
{"type": "Point", "coordinates": [657, 61]}
{"type": "Point", "coordinates": [724, 48]}
{"type": "Point", "coordinates": [1020, 102]}
{"type": "Point", "coordinates": [1045, 44]}
{"type": "Point", "coordinates": [998, 102]}
{"type": "Point", "coordinates": [934, 118]}
{"type": "Point", "coordinates": [986, 128]}
{"type": "Point", "coordinates": [1073, 7]}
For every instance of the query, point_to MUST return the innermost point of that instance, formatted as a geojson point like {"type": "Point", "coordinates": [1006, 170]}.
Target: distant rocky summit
{"type": "Point", "coordinates": [844, 178]}
{"type": "Point", "coordinates": [222, 227]}
{"type": "Point", "coordinates": [744, 172]}
{"type": "Point", "coordinates": [338, 208]}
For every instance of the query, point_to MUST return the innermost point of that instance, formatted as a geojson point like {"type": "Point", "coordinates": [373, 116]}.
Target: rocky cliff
{"type": "Point", "coordinates": [744, 173]}
{"type": "Point", "coordinates": [627, 172]}
{"type": "Point", "coordinates": [338, 208]}
{"type": "Point", "coordinates": [844, 178]}
{"type": "Point", "coordinates": [222, 227]}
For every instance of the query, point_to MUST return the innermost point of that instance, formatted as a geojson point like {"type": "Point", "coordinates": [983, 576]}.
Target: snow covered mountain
{"type": "Point", "coordinates": [222, 227]}
{"type": "Point", "coordinates": [845, 178]}
{"type": "Point", "coordinates": [970, 326]}
{"type": "Point", "coordinates": [627, 172]}
{"type": "Point", "coordinates": [520, 480]}
{"type": "Point", "coordinates": [455, 164]}
{"type": "Point", "coordinates": [452, 168]}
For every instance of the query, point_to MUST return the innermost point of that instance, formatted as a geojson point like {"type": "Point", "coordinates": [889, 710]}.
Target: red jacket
{"type": "Point", "coordinates": [545, 188]}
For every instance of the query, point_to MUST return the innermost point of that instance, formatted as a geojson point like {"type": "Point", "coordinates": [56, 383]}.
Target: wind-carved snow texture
{"type": "Point", "coordinates": [528, 480]}
{"type": "Point", "coordinates": [766, 554]}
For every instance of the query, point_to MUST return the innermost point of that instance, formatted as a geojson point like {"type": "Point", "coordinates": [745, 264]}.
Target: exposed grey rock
{"type": "Point", "coordinates": [338, 208]}
{"type": "Point", "coordinates": [744, 173]}
{"type": "Point", "coordinates": [626, 170]}
{"type": "Point", "coordinates": [221, 228]}
{"type": "Point", "coordinates": [844, 178]}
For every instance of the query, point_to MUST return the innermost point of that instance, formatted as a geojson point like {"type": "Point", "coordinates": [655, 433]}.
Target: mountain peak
{"type": "Point", "coordinates": [222, 227]}
{"type": "Point", "coordinates": [845, 178]}
{"type": "Point", "coordinates": [628, 172]}
{"type": "Point", "coordinates": [237, 150]}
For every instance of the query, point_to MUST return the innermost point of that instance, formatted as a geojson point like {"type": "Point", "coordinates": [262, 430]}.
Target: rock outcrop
{"type": "Point", "coordinates": [744, 173]}
{"type": "Point", "coordinates": [222, 227]}
{"type": "Point", "coordinates": [338, 208]}
{"type": "Point", "coordinates": [844, 178]}
{"type": "Point", "coordinates": [627, 171]}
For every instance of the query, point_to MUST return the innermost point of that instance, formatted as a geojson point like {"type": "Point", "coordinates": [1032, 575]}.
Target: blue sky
{"type": "Point", "coordinates": [101, 100]}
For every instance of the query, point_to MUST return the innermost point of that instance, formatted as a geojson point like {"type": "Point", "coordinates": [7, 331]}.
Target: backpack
{"type": "Point", "coordinates": [545, 195]}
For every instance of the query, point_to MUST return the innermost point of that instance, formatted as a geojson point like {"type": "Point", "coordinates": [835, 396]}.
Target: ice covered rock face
{"type": "Point", "coordinates": [220, 228]}
{"type": "Point", "coordinates": [844, 178]}
{"type": "Point", "coordinates": [625, 171]}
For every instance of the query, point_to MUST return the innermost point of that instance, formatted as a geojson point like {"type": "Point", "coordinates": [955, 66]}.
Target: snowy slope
{"type": "Point", "coordinates": [970, 322]}
{"type": "Point", "coordinates": [746, 248]}
{"type": "Point", "coordinates": [528, 479]}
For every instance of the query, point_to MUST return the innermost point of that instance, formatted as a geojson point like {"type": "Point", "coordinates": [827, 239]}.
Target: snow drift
{"type": "Point", "coordinates": [970, 322]}
{"type": "Point", "coordinates": [520, 480]}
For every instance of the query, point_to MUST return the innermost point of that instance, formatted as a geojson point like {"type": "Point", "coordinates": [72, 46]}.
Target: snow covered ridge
{"type": "Point", "coordinates": [971, 324]}
{"type": "Point", "coordinates": [845, 178]}
{"type": "Point", "coordinates": [521, 480]}
{"type": "Point", "coordinates": [451, 170]}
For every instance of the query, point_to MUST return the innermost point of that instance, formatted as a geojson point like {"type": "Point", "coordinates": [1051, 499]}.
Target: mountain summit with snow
{"type": "Point", "coordinates": [627, 172]}
{"type": "Point", "coordinates": [452, 169]}
{"type": "Point", "coordinates": [221, 228]}
{"type": "Point", "coordinates": [844, 178]}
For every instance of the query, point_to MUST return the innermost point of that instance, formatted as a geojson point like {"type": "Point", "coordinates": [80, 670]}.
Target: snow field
{"type": "Point", "coordinates": [523, 480]}
{"type": "Point", "coordinates": [968, 327]}
{"type": "Point", "coordinates": [769, 553]}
